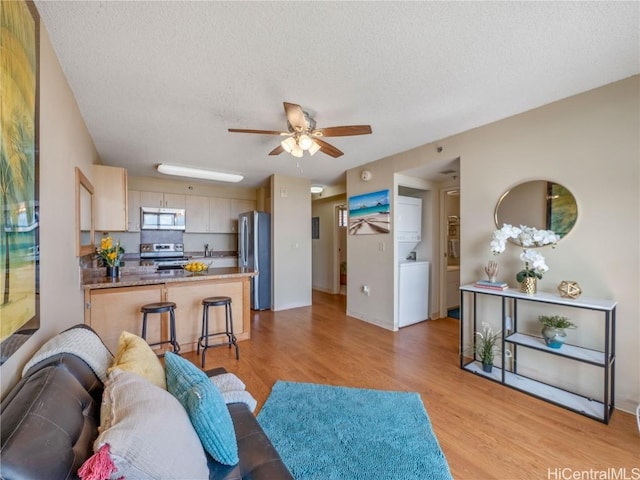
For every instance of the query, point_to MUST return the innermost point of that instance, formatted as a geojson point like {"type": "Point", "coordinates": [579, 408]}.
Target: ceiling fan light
{"type": "Point", "coordinates": [314, 148]}
{"type": "Point", "coordinates": [297, 151]}
{"type": "Point", "coordinates": [190, 172]}
{"type": "Point", "coordinates": [288, 144]}
{"type": "Point", "coordinates": [305, 142]}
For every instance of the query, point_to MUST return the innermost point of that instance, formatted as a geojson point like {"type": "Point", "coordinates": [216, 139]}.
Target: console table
{"type": "Point", "coordinates": [603, 357]}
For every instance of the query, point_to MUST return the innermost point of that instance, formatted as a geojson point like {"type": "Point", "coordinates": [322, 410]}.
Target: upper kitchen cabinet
{"type": "Point", "coordinates": [162, 200]}
{"type": "Point", "coordinates": [237, 207]}
{"type": "Point", "coordinates": [197, 216]}
{"type": "Point", "coordinates": [133, 224]}
{"type": "Point", "coordinates": [220, 215]}
{"type": "Point", "coordinates": [110, 196]}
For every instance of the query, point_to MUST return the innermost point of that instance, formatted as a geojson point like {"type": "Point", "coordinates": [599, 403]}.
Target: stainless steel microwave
{"type": "Point", "coordinates": [162, 218]}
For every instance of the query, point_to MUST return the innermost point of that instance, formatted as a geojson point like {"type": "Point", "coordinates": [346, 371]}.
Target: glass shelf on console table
{"type": "Point", "coordinates": [602, 358]}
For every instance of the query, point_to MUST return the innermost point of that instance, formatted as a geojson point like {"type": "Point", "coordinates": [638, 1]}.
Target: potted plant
{"type": "Point", "coordinates": [110, 253]}
{"type": "Point", "coordinates": [553, 329]}
{"type": "Point", "coordinates": [487, 346]}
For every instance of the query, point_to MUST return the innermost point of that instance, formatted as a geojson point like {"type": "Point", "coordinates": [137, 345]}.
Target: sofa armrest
{"type": "Point", "coordinates": [259, 460]}
{"type": "Point", "coordinates": [50, 420]}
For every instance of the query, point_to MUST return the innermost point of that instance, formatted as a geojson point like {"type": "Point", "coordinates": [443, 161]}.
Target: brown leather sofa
{"type": "Point", "coordinates": [50, 420]}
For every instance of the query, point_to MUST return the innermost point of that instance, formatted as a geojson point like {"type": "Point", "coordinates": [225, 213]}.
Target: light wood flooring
{"type": "Point", "coordinates": [487, 431]}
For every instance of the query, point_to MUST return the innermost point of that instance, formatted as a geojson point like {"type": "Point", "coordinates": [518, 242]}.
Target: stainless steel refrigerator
{"type": "Point", "coordinates": [254, 252]}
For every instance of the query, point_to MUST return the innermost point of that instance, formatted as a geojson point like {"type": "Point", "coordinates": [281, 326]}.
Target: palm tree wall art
{"type": "Point", "coordinates": [19, 221]}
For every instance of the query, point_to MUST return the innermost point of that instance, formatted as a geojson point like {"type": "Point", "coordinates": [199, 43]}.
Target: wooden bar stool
{"type": "Point", "coordinates": [161, 307]}
{"type": "Point", "coordinates": [203, 341]}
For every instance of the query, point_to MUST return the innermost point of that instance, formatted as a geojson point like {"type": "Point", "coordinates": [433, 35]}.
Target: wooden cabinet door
{"type": "Point", "coordinates": [237, 207]}
{"type": "Point", "coordinates": [197, 214]}
{"type": "Point", "coordinates": [152, 199]}
{"type": "Point", "coordinates": [109, 311]}
{"type": "Point", "coordinates": [110, 198]}
{"type": "Point", "coordinates": [175, 200]}
{"type": "Point", "coordinates": [133, 221]}
{"type": "Point", "coordinates": [220, 215]}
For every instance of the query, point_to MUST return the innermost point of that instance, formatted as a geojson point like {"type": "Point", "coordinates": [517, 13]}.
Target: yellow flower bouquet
{"type": "Point", "coordinates": [109, 252]}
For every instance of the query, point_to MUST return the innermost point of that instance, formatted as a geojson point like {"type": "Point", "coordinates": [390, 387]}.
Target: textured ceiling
{"type": "Point", "coordinates": [162, 81]}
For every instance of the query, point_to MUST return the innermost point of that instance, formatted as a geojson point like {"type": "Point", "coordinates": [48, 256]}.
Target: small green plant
{"type": "Point", "coordinates": [556, 321]}
{"type": "Point", "coordinates": [487, 343]}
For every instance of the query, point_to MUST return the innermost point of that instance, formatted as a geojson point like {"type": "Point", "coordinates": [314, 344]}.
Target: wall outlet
{"type": "Point", "coordinates": [365, 290]}
{"type": "Point", "coordinates": [507, 323]}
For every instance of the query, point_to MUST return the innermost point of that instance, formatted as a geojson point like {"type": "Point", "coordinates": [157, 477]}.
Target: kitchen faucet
{"type": "Point", "coordinates": [206, 249]}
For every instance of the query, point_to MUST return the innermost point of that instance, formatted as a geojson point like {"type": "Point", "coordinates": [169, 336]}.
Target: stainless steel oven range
{"type": "Point", "coordinates": [164, 256]}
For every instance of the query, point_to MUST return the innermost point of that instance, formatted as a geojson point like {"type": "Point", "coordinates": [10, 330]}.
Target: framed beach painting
{"type": "Point", "coordinates": [19, 217]}
{"type": "Point", "coordinates": [369, 214]}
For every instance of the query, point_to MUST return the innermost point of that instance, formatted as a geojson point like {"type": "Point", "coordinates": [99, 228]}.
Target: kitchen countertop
{"type": "Point", "coordinates": [94, 278]}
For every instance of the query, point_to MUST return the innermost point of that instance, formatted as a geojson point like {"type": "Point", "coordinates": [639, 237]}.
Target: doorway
{"type": "Point", "coordinates": [340, 243]}
{"type": "Point", "coordinates": [450, 252]}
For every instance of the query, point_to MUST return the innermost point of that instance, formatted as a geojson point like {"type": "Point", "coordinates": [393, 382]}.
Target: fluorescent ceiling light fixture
{"type": "Point", "coordinates": [317, 188]}
{"type": "Point", "coordinates": [190, 172]}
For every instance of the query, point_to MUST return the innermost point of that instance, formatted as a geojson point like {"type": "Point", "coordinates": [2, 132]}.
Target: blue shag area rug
{"type": "Point", "coordinates": [340, 433]}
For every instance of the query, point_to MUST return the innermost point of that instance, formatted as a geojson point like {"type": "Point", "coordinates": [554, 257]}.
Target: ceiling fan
{"type": "Point", "coordinates": [303, 135]}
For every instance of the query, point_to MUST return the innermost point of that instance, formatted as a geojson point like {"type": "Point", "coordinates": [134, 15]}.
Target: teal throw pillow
{"type": "Point", "coordinates": [206, 408]}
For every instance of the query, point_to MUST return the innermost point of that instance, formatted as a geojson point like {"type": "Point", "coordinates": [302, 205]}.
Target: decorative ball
{"type": "Point", "coordinates": [569, 289]}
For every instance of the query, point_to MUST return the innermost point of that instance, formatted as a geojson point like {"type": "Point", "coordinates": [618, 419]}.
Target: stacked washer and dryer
{"type": "Point", "coordinates": [413, 274]}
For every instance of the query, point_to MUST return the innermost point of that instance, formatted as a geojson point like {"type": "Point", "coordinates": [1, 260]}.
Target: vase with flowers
{"type": "Point", "coordinates": [527, 238]}
{"type": "Point", "coordinates": [110, 253]}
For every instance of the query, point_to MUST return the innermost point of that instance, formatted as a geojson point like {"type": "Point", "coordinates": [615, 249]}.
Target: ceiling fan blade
{"type": "Point", "coordinates": [328, 149]}
{"type": "Point", "coordinates": [277, 151]}
{"type": "Point", "coordinates": [344, 131]}
{"type": "Point", "coordinates": [262, 132]}
{"type": "Point", "coordinates": [295, 115]}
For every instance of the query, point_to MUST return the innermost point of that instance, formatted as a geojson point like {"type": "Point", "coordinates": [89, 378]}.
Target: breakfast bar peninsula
{"type": "Point", "coordinates": [112, 305]}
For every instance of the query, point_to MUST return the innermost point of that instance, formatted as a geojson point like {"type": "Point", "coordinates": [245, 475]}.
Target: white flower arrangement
{"type": "Point", "coordinates": [526, 237]}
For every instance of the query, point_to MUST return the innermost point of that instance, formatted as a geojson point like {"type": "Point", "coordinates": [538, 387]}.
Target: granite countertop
{"type": "Point", "coordinates": [94, 278]}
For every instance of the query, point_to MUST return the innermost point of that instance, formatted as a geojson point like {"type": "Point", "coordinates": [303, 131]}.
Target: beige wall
{"type": "Point", "coordinates": [64, 144]}
{"type": "Point", "coordinates": [291, 242]}
{"type": "Point", "coordinates": [590, 144]}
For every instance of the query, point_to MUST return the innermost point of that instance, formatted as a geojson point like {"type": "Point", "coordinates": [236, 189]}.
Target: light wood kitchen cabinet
{"type": "Point", "coordinates": [188, 299]}
{"type": "Point", "coordinates": [162, 200]}
{"type": "Point", "coordinates": [197, 216]}
{"type": "Point", "coordinates": [224, 213]}
{"type": "Point", "coordinates": [110, 198]}
{"type": "Point", "coordinates": [109, 311]}
{"type": "Point", "coordinates": [237, 207]}
{"type": "Point", "coordinates": [220, 215]}
{"type": "Point", "coordinates": [133, 221]}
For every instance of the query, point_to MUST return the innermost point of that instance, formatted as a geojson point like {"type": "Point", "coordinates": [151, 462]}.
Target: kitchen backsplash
{"type": "Point", "coordinates": [193, 242]}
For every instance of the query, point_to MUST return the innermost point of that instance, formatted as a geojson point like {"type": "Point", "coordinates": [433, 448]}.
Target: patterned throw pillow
{"type": "Point", "coordinates": [205, 406]}
{"type": "Point", "coordinates": [144, 434]}
{"type": "Point", "coordinates": [135, 355]}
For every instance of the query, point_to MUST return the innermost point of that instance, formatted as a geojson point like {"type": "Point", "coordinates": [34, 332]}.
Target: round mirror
{"type": "Point", "coordinates": [541, 204]}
